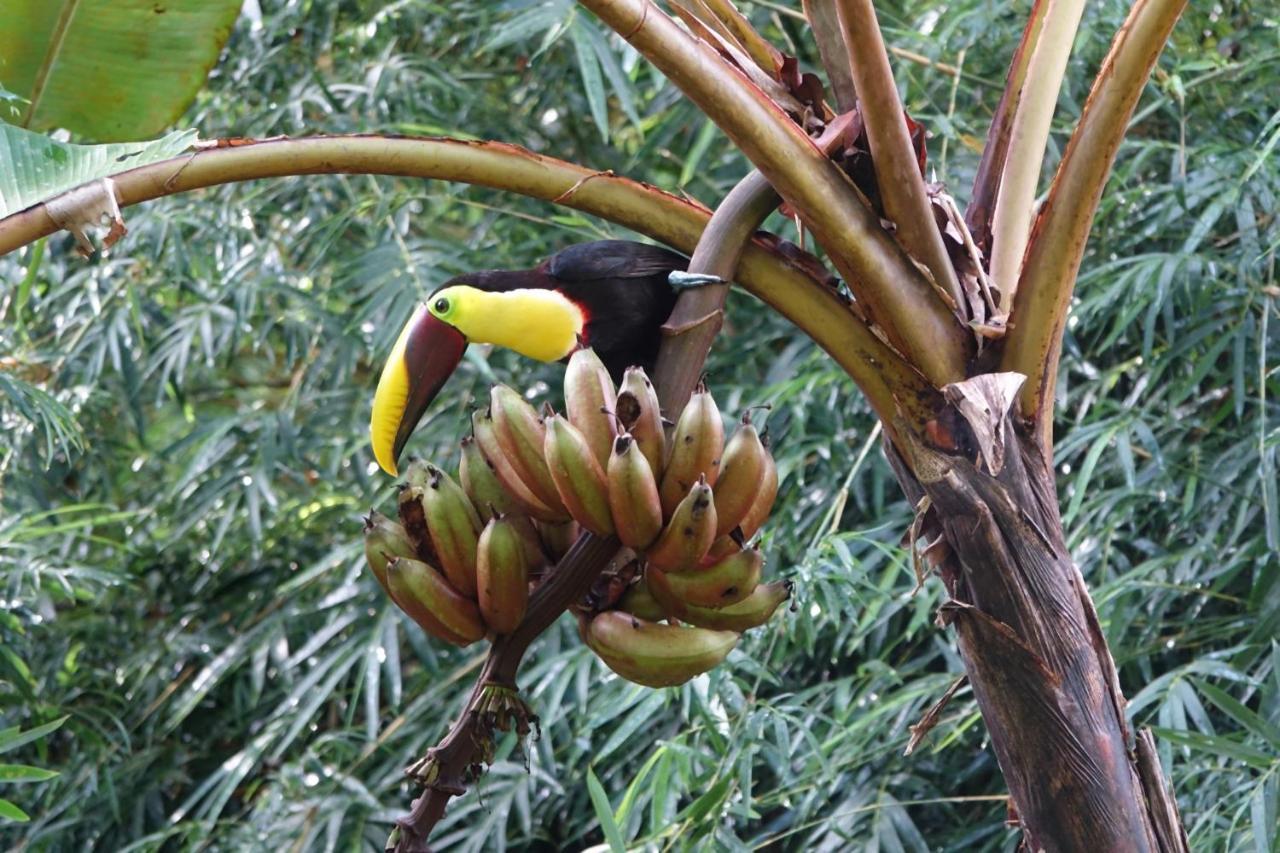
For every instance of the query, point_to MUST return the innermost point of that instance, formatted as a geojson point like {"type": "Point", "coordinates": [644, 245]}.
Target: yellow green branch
{"type": "Point", "coordinates": [1034, 344]}
{"type": "Point", "coordinates": [897, 171]}
{"type": "Point", "coordinates": [890, 384]}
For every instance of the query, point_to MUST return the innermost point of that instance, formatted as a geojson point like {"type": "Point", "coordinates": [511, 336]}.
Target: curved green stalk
{"type": "Point", "coordinates": [986, 183]}
{"type": "Point", "coordinates": [1028, 137]}
{"type": "Point", "coordinates": [889, 383]}
{"type": "Point", "coordinates": [898, 177]}
{"type": "Point", "coordinates": [1034, 343]}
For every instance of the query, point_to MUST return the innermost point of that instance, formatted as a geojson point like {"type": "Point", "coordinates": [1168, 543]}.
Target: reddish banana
{"type": "Point", "coordinates": [577, 476]}
{"type": "Point", "coordinates": [439, 609]}
{"type": "Point", "coordinates": [502, 575]}
{"type": "Point", "coordinates": [654, 654]}
{"type": "Point", "coordinates": [633, 495]}
{"type": "Point", "coordinates": [589, 401]}
{"type": "Point", "coordinates": [690, 532]}
{"type": "Point", "coordinates": [727, 582]}
{"type": "Point", "coordinates": [521, 435]}
{"type": "Point", "coordinates": [742, 476]}
{"type": "Point", "coordinates": [696, 448]}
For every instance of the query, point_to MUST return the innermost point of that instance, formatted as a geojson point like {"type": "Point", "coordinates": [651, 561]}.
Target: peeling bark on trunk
{"type": "Point", "coordinates": [1027, 631]}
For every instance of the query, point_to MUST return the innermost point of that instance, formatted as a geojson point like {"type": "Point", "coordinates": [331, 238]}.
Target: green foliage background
{"type": "Point", "coordinates": [184, 465]}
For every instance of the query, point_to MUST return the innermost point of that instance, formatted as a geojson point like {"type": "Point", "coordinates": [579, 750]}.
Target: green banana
{"type": "Point", "coordinates": [502, 574]}
{"type": "Point", "coordinates": [589, 400]}
{"type": "Point", "coordinates": [633, 495]}
{"type": "Point", "coordinates": [639, 412]}
{"type": "Point", "coordinates": [751, 612]}
{"type": "Point", "coordinates": [558, 538]}
{"type": "Point", "coordinates": [454, 525]}
{"type": "Point", "coordinates": [688, 534]}
{"type": "Point", "coordinates": [742, 473]}
{"type": "Point", "coordinates": [486, 436]}
{"type": "Point", "coordinates": [383, 540]}
{"type": "Point", "coordinates": [695, 449]}
{"type": "Point", "coordinates": [485, 490]}
{"type": "Point", "coordinates": [639, 601]}
{"type": "Point", "coordinates": [521, 435]}
{"type": "Point", "coordinates": [727, 582]}
{"type": "Point", "coordinates": [578, 478]}
{"type": "Point", "coordinates": [655, 654]}
{"type": "Point", "coordinates": [481, 484]}
{"type": "Point", "coordinates": [439, 609]}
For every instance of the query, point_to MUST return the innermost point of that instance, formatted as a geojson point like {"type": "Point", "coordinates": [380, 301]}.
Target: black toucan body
{"type": "Point", "coordinates": [610, 295]}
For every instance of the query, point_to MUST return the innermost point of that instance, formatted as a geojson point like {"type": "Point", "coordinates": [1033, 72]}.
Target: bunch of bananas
{"type": "Point", "coordinates": [462, 558]}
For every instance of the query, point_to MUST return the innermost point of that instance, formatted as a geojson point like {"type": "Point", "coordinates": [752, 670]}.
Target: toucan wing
{"type": "Point", "coordinates": [613, 259]}
{"type": "Point", "coordinates": [623, 290]}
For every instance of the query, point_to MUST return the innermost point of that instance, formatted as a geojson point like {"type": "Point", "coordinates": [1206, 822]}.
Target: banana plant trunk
{"type": "Point", "coordinates": [1032, 646]}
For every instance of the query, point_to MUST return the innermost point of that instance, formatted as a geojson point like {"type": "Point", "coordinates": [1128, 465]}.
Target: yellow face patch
{"type": "Point", "coordinates": [537, 323]}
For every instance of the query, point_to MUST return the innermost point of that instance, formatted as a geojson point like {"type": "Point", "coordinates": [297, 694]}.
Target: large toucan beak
{"type": "Point", "coordinates": [425, 355]}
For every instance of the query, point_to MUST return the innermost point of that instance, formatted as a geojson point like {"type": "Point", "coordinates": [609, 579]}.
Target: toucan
{"type": "Point", "coordinates": [610, 295]}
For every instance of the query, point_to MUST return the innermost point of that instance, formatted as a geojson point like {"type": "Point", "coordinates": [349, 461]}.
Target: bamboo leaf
{"type": "Point", "coordinates": [592, 80]}
{"type": "Point", "coordinates": [11, 739]}
{"type": "Point", "coordinates": [11, 813]}
{"type": "Point", "coordinates": [24, 773]}
{"type": "Point", "coordinates": [604, 813]}
{"type": "Point", "coordinates": [1238, 712]}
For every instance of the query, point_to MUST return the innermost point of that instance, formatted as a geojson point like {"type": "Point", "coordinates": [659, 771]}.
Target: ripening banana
{"type": "Point", "coordinates": [695, 448]}
{"type": "Point", "coordinates": [654, 654]}
{"type": "Point", "coordinates": [502, 575]}
{"type": "Point", "coordinates": [727, 582]}
{"type": "Point", "coordinates": [438, 608]}
{"type": "Point", "coordinates": [642, 417]}
{"type": "Point", "coordinates": [765, 496]}
{"type": "Point", "coordinates": [521, 435]}
{"type": "Point", "coordinates": [589, 400]}
{"type": "Point", "coordinates": [383, 540]}
{"type": "Point", "coordinates": [481, 484]}
{"type": "Point", "coordinates": [454, 525]}
{"type": "Point", "coordinates": [742, 474]}
{"type": "Point", "coordinates": [639, 601]}
{"type": "Point", "coordinates": [751, 612]}
{"type": "Point", "coordinates": [688, 534]}
{"type": "Point", "coordinates": [633, 495]}
{"type": "Point", "coordinates": [489, 497]}
{"type": "Point", "coordinates": [577, 475]}
{"type": "Point", "coordinates": [558, 538]}
{"type": "Point", "coordinates": [486, 437]}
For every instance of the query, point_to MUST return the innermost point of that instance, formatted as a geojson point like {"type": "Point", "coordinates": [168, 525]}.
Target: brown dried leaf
{"type": "Point", "coordinates": [84, 210]}
{"type": "Point", "coordinates": [984, 402]}
{"type": "Point", "coordinates": [931, 716]}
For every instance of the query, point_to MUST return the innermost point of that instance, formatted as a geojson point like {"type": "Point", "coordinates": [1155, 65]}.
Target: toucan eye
{"type": "Point", "coordinates": [442, 306]}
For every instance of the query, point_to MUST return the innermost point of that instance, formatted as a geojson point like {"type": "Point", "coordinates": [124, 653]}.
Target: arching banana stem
{"type": "Point", "coordinates": [699, 312]}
